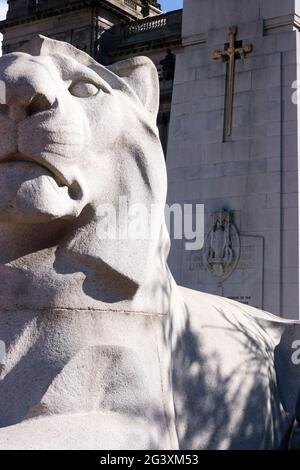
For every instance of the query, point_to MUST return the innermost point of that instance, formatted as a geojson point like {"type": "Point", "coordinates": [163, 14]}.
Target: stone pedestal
{"type": "Point", "coordinates": [252, 173]}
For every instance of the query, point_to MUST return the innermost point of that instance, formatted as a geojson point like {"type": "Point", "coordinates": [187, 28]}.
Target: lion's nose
{"type": "Point", "coordinates": [28, 90]}
{"type": "Point", "coordinates": [18, 111]}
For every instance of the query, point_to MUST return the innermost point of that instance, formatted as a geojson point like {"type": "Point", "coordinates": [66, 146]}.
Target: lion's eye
{"type": "Point", "coordinates": [83, 90]}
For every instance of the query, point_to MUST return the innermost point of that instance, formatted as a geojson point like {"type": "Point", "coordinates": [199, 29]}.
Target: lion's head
{"type": "Point", "coordinates": [74, 136]}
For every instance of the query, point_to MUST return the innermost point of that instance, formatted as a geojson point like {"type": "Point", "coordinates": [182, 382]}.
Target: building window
{"type": "Point", "coordinates": [32, 4]}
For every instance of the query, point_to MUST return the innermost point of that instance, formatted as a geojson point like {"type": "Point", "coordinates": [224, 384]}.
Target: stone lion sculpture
{"type": "Point", "coordinates": [103, 349]}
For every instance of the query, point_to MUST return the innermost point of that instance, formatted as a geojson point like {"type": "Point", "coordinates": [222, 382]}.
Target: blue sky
{"type": "Point", "coordinates": [3, 8]}
{"type": "Point", "coordinates": [168, 5]}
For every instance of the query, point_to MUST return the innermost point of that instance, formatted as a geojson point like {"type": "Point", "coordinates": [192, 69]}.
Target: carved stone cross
{"type": "Point", "coordinates": [230, 54]}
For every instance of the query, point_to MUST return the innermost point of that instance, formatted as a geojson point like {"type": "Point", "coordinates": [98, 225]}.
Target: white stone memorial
{"type": "Point", "coordinates": [102, 349]}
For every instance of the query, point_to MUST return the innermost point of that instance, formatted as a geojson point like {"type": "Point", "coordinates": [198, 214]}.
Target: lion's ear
{"type": "Point", "coordinates": [141, 75]}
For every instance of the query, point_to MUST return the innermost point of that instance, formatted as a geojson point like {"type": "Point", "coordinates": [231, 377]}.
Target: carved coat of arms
{"type": "Point", "coordinates": [222, 246]}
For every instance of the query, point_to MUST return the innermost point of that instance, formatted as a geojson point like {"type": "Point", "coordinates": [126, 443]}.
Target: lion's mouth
{"type": "Point", "coordinates": [51, 170]}
{"type": "Point", "coordinates": [35, 191]}
{"type": "Point", "coordinates": [17, 158]}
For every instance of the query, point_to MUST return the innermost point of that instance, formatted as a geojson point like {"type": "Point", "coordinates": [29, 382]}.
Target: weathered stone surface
{"type": "Point", "coordinates": [103, 350]}
{"type": "Point", "coordinates": [259, 160]}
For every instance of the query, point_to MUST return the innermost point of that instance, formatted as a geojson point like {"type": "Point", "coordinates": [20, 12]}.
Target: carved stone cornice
{"type": "Point", "coordinates": [142, 36]}
{"type": "Point", "coordinates": [200, 38]}
{"type": "Point", "coordinates": [287, 22]}
{"type": "Point", "coordinates": [123, 11]}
